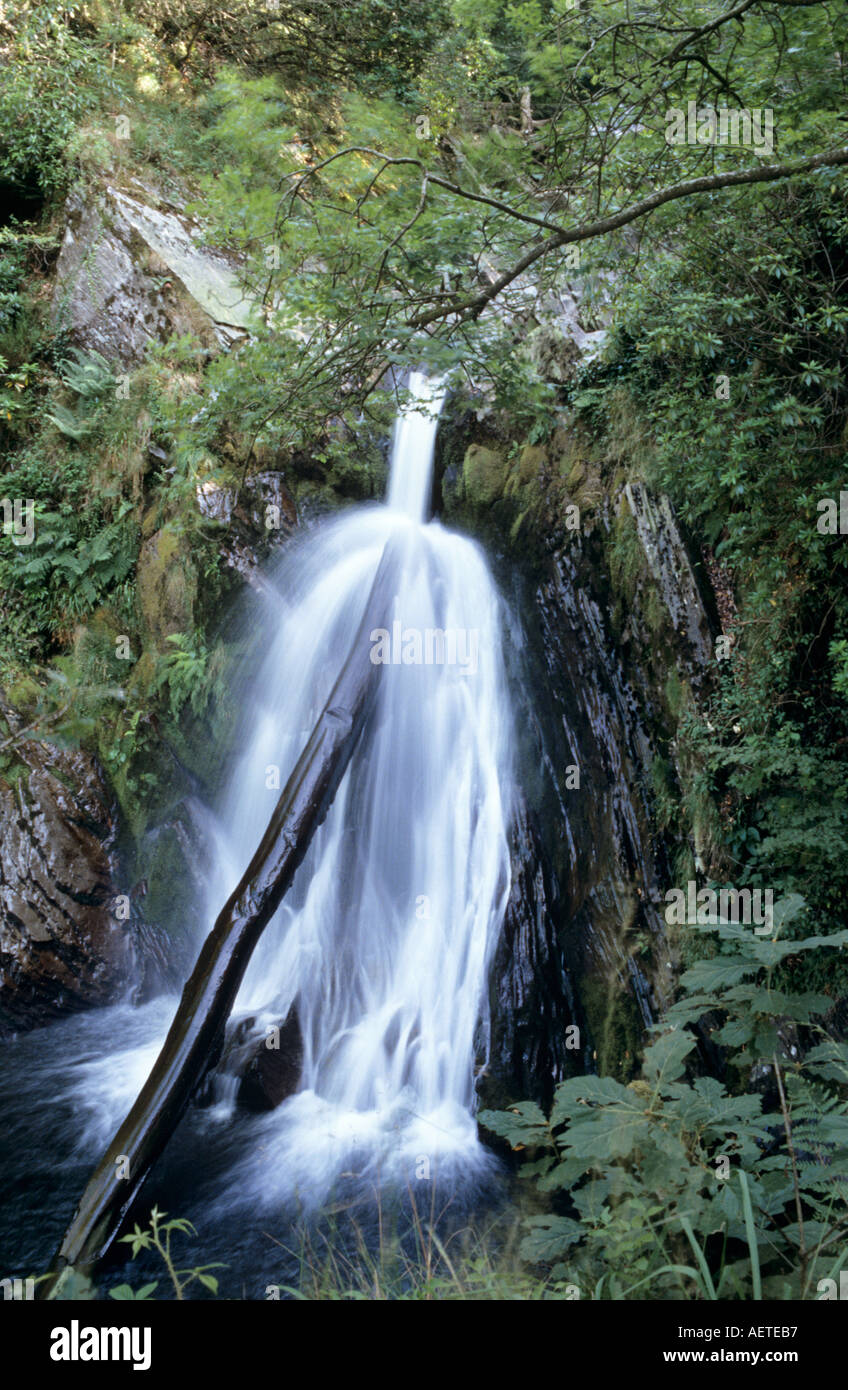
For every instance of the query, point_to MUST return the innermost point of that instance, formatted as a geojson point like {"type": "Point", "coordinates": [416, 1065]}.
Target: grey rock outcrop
{"type": "Point", "coordinates": [60, 945]}
{"type": "Point", "coordinates": [130, 274]}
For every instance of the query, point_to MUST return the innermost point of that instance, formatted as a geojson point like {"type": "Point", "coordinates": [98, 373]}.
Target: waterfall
{"type": "Point", "coordinates": [384, 941]}
{"type": "Point", "coordinates": [411, 472]}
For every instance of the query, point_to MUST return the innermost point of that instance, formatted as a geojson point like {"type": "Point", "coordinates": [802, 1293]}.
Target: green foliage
{"type": "Point", "coordinates": [13, 401]}
{"type": "Point", "coordinates": [83, 567]}
{"type": "Point", "coordinates": [363, 263]}
{"type": "Point", "coordinates": [789, 831]}
{"type": "Point", "coordinates": [340, 1262]}
{"type": "Point", "coordinates": [91, 378]}
{"type": "Point", "coordinates": [192, 674]}
{"type": "Point", "coordinates": [88, 374]}
{"type": "Point", "coordinates": [838, 653]}
{"type": "Point", "coordinates": [774, 325]}
{"type": "Point", "coordinates": [17, 243]}
{"type": "Point", "coordinates": [157, 1236]}
{"type": "Point", "coordinates": [376, 44]}
{"type": "Point", "coordinates": [52, 78]}
{"type": "Point", "coordinates": [676, 1165]}
{"type": "Point", "coordinates": [730, 347]}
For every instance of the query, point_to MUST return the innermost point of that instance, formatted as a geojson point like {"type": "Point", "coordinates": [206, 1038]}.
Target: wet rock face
{"type": "Point", "coordinates": [260, 1064]}
{"type": "Point", "coordinates": [262, 516]}
{"type": "Point", "coordinates": [130, 274]}
{"type": "Point", "coordinates": [173, 861]}
{"type": "Point", "coordinates": [610, 637]}
{"type": "Point", "coordinates": [586, 753]}
{"type": "Point", "coordinates": [673, 573]}
{"type": "Point", "coordinates": [533, 1042]}
{"type": "Point", "coordinates": [270, 1070]}
{"type": "Point", "coordinates": [584, 939]}
{"type": "Point", "coordinates": [60, 948]}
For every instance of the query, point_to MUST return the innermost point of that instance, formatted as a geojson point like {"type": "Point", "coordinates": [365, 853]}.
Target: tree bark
{"type": "Point", "coordinates": [196, 1034]}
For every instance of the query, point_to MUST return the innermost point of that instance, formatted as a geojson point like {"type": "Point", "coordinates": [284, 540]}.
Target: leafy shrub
{"type": "Point", "coordinates": [52, 78]}
{"type": "Point", "coordinates": [91, 378]}
{"type": "Point", "coordinates": [753, 1187]}
{"type": "Point", "coordinates": [83, 568]}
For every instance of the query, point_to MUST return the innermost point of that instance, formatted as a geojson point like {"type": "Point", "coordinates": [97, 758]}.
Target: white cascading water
{"type": "Point", "coordinates": [385, 938]}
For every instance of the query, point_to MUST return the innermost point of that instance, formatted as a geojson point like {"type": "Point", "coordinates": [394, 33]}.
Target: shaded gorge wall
{"type": "Point", "coordinates": [610, 642]}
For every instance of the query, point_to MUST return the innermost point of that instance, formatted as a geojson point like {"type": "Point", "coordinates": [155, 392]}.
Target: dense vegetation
{"type": "Point", "coordinates": [402, 182]}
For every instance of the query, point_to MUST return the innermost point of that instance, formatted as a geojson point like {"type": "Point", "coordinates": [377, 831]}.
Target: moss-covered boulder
{"type": "Point", "coordinates": [484, 475]}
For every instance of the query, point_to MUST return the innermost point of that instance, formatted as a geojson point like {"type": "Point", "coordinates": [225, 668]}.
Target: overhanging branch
{"type": "Point", "coordinates": [473, 305]}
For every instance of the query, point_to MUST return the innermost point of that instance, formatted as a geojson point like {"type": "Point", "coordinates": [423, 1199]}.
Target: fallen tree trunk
{"type": "Point", "coordinates": [196, 1034]}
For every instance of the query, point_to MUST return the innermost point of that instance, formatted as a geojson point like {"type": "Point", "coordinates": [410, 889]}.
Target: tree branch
{"type": "Point", "coordinates": [765, 173]}
{"type": "Point", "coordinates": [429, 177]}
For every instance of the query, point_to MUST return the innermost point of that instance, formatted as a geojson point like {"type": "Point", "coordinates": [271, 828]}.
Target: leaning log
{"type": "Point", "coordinates": [197, 1032]}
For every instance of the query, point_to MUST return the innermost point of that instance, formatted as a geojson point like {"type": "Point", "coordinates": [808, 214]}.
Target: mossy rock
{"type": "Point", "coordinates": [577, 475]}
{"type": "Point", "coordinates": [615, 1025]}
{"type": "Point", "coordinates": [150, 523]}
{"type": "Point", "coordinates": [141, 684]}
{"type": "Point", "coordinates": [23, 695]}
{"type": "Point", "coordinates": [11, 771]}
{"type": "Point", "coordinates": [656, 613]}
{"type": "Point", "coordinates": [95, 648]}
{"type": "Point", "coordinates": [625, 556]}
{"type": "Point", "coordinates": [591, 491]}
{"type": "Point", "coordinates": [172, 902]}
{"type": "Point", "coordinates": [484, 473]}
{"type": "Point", "coordinates": [531, 460]}
{"type": "Point", "coordinates": [677, 694]}
{"type": "Point", "coordinates": [167, 586]}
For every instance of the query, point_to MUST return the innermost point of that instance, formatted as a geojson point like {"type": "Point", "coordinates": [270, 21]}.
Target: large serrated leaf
{"type": "Point", "coordinates": [771, 953]}
{"type": "Point", "coordinates": [523, 1125]}
{"type": "Point", "coordinates": [549, 1237]}
{"type": "Point", "coordinates": [711, 975]}
{"type": "Point", "coordinates": [586, 1090]}
{"type": "Point", "coordinates": [665, 1059]}
{"type": "Point", "coordinates": [735, 1032]}
{"type": "Point", "coordinates": [608, 1134]}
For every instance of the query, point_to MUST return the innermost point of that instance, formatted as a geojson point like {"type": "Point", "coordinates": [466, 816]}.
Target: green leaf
{"type": "Point", "coordinates": [665, 1059]}
{"type": "Point", "coordinates": [712, 975]}
{"type": "Point", "coordinates": [607, 1134]}
{"type": "Point", "coordinates": [735, 1032]}
{"type": "Point", "coordinates": [523, 1125]}
{"type": "Point", "coordinates": [751, 1233]}
{"type": "Point", "coordinates": [579, 1091]}
{"type": "Point", "coordinates": [549, 1238]}
{"type": "Point", "coordinates": [771, 953]}
{"type": "Point", "coordinates": [125, 1292]}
